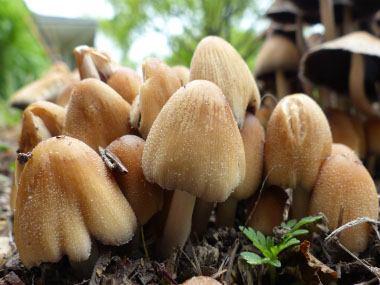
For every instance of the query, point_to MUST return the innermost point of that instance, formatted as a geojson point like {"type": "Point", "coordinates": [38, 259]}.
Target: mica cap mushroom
{"type": "Point", "coordinates": [195, 148]}
{"type": "Point", "coordinates": [217, 61]}
{"type": "Point", "coordinates": [66, 194]}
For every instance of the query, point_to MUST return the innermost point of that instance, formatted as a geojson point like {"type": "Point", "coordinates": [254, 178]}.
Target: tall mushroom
{"type": "Point", "coordinates": [298, 140]}
{"type": "Point", "coordinates": [195, 148]}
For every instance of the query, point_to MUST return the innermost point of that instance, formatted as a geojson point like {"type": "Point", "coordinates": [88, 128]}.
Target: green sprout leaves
{"type": "Point", "coordinates": [268, 246]}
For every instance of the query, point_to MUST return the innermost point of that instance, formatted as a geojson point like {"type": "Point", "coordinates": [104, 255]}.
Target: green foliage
{"type": "Point", "coordinates": [21, 55]}
{"type": "Point", "coordinates": [199, 18]}
{"type": "Point", "coordinates": [268, 246]}
{"type": "Point", "coordinates": [9, 117]}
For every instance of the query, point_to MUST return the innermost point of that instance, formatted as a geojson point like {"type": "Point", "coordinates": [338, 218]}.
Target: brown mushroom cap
{"type": "Point", "coordinates": [183, 73]}
{"type": "Point", "coordinates": [96, 114]}
{"type": "Point", "coordinates": [126, 82]}
{"type": "Point", "coordinates": [195, 145]}
{"type": "Point", "coordinates": [217, 61]}
{"type": "Point", "coordinates": [269, 210]}
{"type": "Point", "coordinates": [146, 199]}
{"type": "Point", "coordinates": [344, 182]}
{"type": "Point", "coordinates": [201, 280]}
{"type": "Point", "coordinates": [338, 148]}
{"type": "Point", "coordinates": [65, 195]}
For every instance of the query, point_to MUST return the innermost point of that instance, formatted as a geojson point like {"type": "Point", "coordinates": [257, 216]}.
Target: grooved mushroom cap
{"type": "Point", "coordinates": [96, 114]}
{"type": "Point", "coordinates": [195, 145]}
{"type": "Point", "coordinates": [65, 195]}
{"type": "Point", "coordinates": [344, 182]}
{"type": "Point", "coordinates": [126, 82]}
{"type": "Point", "coordinates": [146, 199]}
{"type": "Point", "coordinates": [277, 53]}
{"type": "Point", "coordinates": [160, 82]}
{"type": "Point", "coordinates": [298, 139]}
{"type": "Point", "coordinates": [201, 280]}
{"type": "Point", "coordinates": [216, 60]}
{"type": "Point", "coordinates": [253, 139]}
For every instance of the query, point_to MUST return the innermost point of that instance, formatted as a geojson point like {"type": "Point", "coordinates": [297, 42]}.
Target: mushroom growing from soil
{"type": "Point", "coordinates": [217, 61]}
{"type": "Point", "coordinates": [349, 65]}
{"type": "Point", "coordinates": [66, 194]}
{"type": "Point", "coordinates": [126, 82]}
{"type": "Point", "coordinates": [96, 114]}
{"type": "Point", "coordinates": [201, 280]}
{"type": "Point", "coordinates": [298, 140]}
{"type": "Point", "coordinates": [345, 188]}
{"type": "Point", "coordinates": [194, 148]}
{"type": "Point", "coordinates": [146, 199]}
{"type": "Point", "coordinates": [277, 57]}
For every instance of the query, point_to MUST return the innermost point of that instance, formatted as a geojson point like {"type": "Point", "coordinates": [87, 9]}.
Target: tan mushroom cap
{"type": "Point", "coordinates": [345, 183]}
{"type": "Point", "coordinates": [96, 114]}
{"type": "Point", "coordinates": [135, 114]}
{"type": "Point", "coordinates": [201, 280]}
{"type": "Point", "coordinates": [298, 140]}
{"type": "Point", "coordinates": [64, 97]}
{"type": "Point", "coordinates": [269, 210]}
{"type": "Point", "coordinates": [338, 148]}
{"type": "Point", "coordinates": [65, 195]}
{"type": "Point", "coordinates": [183, 74]}
{"type": "Point", "coordinates": [217, 61]}
{"type": "Point", "coordinates": [126, 82]}
{"type": "Point", "coordinates": [160, 82]}
{"type": "Point", "coordinates": [195, 145]}
{"type": "Point", "coordinates": [146, 199]}
{"type": "Point", "coordinates": [253, 138]}
{"type": "Point", "coordinates": [343, 129]}
{"type": "Point", "coordinates": [277, 52]}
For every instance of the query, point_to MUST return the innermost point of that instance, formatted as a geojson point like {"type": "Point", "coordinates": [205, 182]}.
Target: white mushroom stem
{"type": "Point", "coordinates": [226, 212]}
{"type": "Point", "coordinates": [357, 87]}
{"type": "Point", "coordinates": [300, 41]}
{"type": "Point", "coordinates": [201, 216]}
{"type": "Point", "coordinates": [282, 85]}
{"type": "Point", "coordinates": [178, 223]}
{"type": "Point", "coordinates": [87, 68]}
{"type": "Point", "coordinates": [300, 206]}
{"type": "Point", "coordinates": [326, 10]}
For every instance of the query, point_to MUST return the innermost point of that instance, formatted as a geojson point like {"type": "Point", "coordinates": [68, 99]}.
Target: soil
{"type": "Point", "coordinates": [216, 254]}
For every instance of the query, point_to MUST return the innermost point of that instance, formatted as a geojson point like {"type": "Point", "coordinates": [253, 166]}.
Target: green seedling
{"type": "Point", "coordinates": [271, 247]}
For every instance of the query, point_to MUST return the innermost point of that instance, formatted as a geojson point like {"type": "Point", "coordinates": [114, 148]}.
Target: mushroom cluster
{"type": "Point", "coordinates": [119, 150]}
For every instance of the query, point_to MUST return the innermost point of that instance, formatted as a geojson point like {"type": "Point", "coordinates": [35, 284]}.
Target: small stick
{"type": "Point", "coordinates": [288, 203]}
{"type": "Point", "coordinates": [231, 261]}
{"type": "Point", "coordinates": [112, 161]}
{"type": "Point", "coordinates": [162, 269]}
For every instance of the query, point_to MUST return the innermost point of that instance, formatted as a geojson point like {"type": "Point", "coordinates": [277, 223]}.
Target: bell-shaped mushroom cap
{"type": "Point", "coordinates": [146, 199]}
{"type": "Point", "coordinates": [217, 61]}
{"type": "Point", "coordinates": [343, 130]}
{"type": "Point", "coordinates": [183, 73]}
{"type": "Point", "coordinates": [338, 148]}
{"type": "Point", "coordinates": [201, 280]}
{"type": "Point", "coordinates": [277, 52]}
{"type": "Point", "coordinates": [372, 127]}
{"type": "Point", "coordinates": [268, 211]}
{"type": "Point", "coordinates": [126, 82]}
{"type": "Point", "coordinates": [328, 65]}
{"type": "Point", "coordinates": [195, 145]}
{"type": "Point", "coordinates": [66, 194]}
{"type": "Point", "coordinates": [64, 97]}
{"type": "Point", "coordinates": [48, 87]}
{"type": "Point", "coordinates": [96, 114]}
{"type": "Point", "coordinates": [253, 139]}
{"type": "Point", "coordinates": [283, 11]}
{"type": "Point", "coordinates": [160, 82]}
{"type": "Point", "coordinates": [344, 183]}
{"type": "Point", "coordinates": [298, 140]}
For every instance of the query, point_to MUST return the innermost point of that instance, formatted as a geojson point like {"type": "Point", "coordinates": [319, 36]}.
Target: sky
{"type": "Point", "coordinates": [142, 47]}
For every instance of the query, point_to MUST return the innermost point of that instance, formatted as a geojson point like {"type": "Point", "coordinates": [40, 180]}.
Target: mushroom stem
{"type": "Point", "coordinates": [226, 212]}
{"type": "Point", "coordinates": [178, 223]}
{"type": "Point", "coordinates": [326, 10]}
{"type": "Point", "coordinates": [300, 41]}
{"type": "Point", "coordinates": [201, 216]}
{"type": "Point", "coordinates": [356, 85]}
{"type": "Point", "coordinates": [87, 68]}
{"type": "Point", "coordinates": [300, 205]}
{"type": "Point", "coordinates": [282, 86]}
{"type": "Point", "coordinates": [347, 20]}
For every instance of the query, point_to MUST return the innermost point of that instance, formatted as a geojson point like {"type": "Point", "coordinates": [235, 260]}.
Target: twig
{"type": "Point", "coordinates": [368, 282]}
{"type": "Point", "coordinates": [143, 241]}
{"type": "Point", "coordinates": [162, 269]}
{"type": "Point", "coordinates": [112, 161]}
{"type": "Point", "coordinates": [349, 225]}
{"type": "Point", "coordinates": [192, 263]}
{"type": "Point", "coordinates": [231, 261]}
{"type": "Point", "coordinates": [199, 270]}
{"type": "Point", "coordinates": [288, 203]}
{"type": "Point", "coordinates": [102, 262]}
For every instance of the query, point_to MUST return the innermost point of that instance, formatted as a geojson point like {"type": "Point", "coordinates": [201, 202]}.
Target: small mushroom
{"type": "Point", "coordinates": [298, 140]}
{"type": "Point", "coordinates": [345, 185]}
{"type": "Point", "coordinates": [217, 61]}
{"type": "Point", "coordinates": [195, 148]}
{"type": "Point", "coordinates": [126, 82]}
{"type": "Point", "coordinates": [96, 114]}
{"type": "Point", "coordinates": [66, 194]}
{"type": "Point", "coordinates": [201, 280]}
{"type": "Point", "coordinates": [146, 199]}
